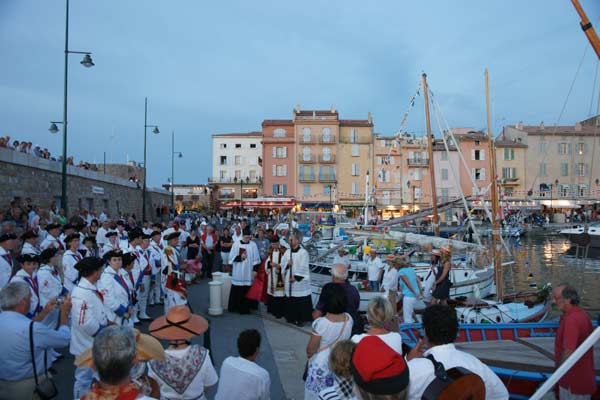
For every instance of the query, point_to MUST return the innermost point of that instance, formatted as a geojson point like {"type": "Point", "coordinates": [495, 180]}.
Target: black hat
{"type": "Point", "coordinates": [110, 233]}
{"type": "Point", "coordinates": [146, 236]}
{"type": "Point", "coordinates": [246, 231]}
{"type": "Point", "coordinates": [173, 235]}
{"type": "Point", "coordinates": [128, 258]}
{"type": "Point", "coordinates": [157, 225]}
{"type": "Point", "coordinates": [7, 236]}
{"type": "Point", "coordinates": [28, 235]}
{"type": "Point", "coordinates": [47, 254]}
{"type": "Point", "coordinates": [49, 227]}
{"type": "Point", "coordinates": [155, 233]}
{"type": "Point", "coordinates": [121, 222]}
{"type": "Point", "coordinates": [135, 233]}
{"type": "Point", "coordinates": [112, 254]}
{"type": "Point", "coordinates": [29, 258]}
{"type": "Point", "coordinates": [67, 226]}
{"type": "Point", "coordinates": [89, 265]}
{"type": "Point", "coordinates": [72, 237]}
{"type": "Point", "coordinates": [89, 239]}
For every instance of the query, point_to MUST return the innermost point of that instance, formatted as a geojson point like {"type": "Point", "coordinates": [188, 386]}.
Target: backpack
{"type": "Point", "coordinates": [457, 383]}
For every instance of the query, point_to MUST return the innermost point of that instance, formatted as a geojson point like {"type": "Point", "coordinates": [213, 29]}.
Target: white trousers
{"type": "Point", "coordinates": [156, 291]}
{"type": "Point", "coordinates": [142, 295]}
{"type": "Point", "coordinates": [408, 307]}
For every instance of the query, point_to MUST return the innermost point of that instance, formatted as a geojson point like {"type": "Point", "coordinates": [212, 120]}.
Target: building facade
{"type": "Point", "coordinates": [279, 157]}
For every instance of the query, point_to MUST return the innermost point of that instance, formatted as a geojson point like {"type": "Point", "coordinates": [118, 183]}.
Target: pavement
{"type": "Point", "coordinates": [282, 352]}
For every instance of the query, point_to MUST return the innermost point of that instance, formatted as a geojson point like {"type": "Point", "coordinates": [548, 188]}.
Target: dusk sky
{"type": "Point", "coordinates": [217, 67]}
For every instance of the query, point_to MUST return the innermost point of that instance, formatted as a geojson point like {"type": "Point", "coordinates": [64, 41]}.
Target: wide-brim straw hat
{"type": "Point", "coordinates": [435, 252]}
{"type": "Point", "coordinates": [444, 250]}
{"type": "Point", "coordinates": [178, 324]}
{"type": "Point", "coordinates": [146, 348]}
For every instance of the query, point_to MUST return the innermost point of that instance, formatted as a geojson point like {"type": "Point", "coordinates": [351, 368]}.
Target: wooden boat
{"type": "Point", "coordinates": [521, 354]}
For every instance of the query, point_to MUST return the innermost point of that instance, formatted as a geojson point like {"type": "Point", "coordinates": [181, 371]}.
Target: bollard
{"type": "Point", "coordinates": [225, 290]}
{"type": "Point", "coordinates": [215, 307]}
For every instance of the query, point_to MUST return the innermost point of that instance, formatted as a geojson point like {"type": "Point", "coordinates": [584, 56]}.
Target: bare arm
{"type": "Point", "coordinates": [313, 345]}
{"type": "Point", "coordinates": [444, 273]}
{"type": "Point", "coordinates": [408, 284]}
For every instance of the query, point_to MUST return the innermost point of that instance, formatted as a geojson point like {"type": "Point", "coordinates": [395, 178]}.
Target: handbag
{"type": "Point", "coordinates": [305, 373]}
{"type": "Point", "coordinates": [46, 390]}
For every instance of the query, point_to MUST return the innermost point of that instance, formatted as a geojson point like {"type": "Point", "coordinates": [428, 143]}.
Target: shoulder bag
{"type": "Point", "coordinates": [46, 390]}
{"type": "Point", "coordinates": [305, 374]}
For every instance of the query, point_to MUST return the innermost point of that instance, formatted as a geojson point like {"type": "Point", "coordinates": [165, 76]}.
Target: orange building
{"type": "Point", "coordinates": [278, 157]}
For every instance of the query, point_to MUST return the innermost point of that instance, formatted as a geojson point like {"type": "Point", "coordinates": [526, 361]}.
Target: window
{"type": "Point", "coordinates": [543, 146]}
{"type": "Point", "coordinates": [306, 134]}
{"type": "Point", "coordinates": [355, 150]}
{"type": "Point", "coordinates": [564, 148]}
{"type": "Point", "coordinates": [388, 143]}
{"type": "Point", "coordinates": [418, 193]}
{"type": "Point", "coordinates": [509, 173]}
{"type": "Point", "coordinates": [306, 154]}
{"type": "Point", "coordinates": [280, 152]}
{"type": "Point", "coordinates": [445, 194]}
{"type": "Point", "coordinates": [280, 189]}
{"type": "Point", "coordinates": [581, 149]}
{"type": "Point", "coordinates": [477, 143]}
{"type": "Point", "coordinates": [508, 192]}
{"type": "Point", "coordinates": [327, 189]}
{"type": "Point", "coordinates": [543, 169]}
{"type": "Point", "coordinates": [223, 160]}
{"type": "Point", "coordinates": [353, 135]}
{"type": "Point", "coordinates": [582, 189]}
{"type": "Point", "coordinates": [238, 160]}
{"type": "Point", "coordinates": [444, 174]}
{"type": "Point", "coordinates": [509, 154]}
{"type": "Point", "coordinates": [581, 169]}
{"type": "Point", "coordinates": [478, 174]}
{"type": "Point", "coordinates": [223, 145]}
{"type": "Point", "coordinates": [326, 135]}
{"type": "Point", "coordinates": [252, 160]}
{"type": "Point", "coordinates": [564, 190]}
{"type": "Point", "coordinates": [238, 174]}
{"type": "Point", "coordinates": [326, 154]}
{"type": "Point", "coordinates": [355, 170]}
{"type": "Point", "coordinates": [252, 174]}
{"type": "Point", "coordinates": [379, 160]}
{"type": "Point", "coordinates": [564, 169]}
{"type": "Point", "coordinates": [238, 145]}
{"type": "Point", "coordinates": [444, 156]}
{"type": "Point", "coordinates": [222, 174]}
{"type": "Point", "coordinates": [279, 170]}
{"type": "Point", "coordinates": [252, 145]}
{"type": "Point", "coordinates": [477, 155]}
{"type": "Point", "coordinates": [279, 132]}
{"type": "Point", "coordinates": [306, 190]}
{"type": "Point", "coordinates": [418, 174]}
{"type": "Point", "coordinates": [354, 187]}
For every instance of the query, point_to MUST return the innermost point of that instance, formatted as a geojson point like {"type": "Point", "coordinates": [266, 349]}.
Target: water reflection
{"type": "Point", "coordinates": [540, 260]}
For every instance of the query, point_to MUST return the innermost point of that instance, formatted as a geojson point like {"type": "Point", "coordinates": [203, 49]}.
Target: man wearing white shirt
{"type": "Point", "coordinates": [30, 239]}
{"type": "Point", "coordinates": [103, 216]}
{"type": "Point", "coordinates": [342, 257]}
{"type": "Point", "coordinates": [374, 271]}
{"type": "Point", "coordinates": [245, 261]}
{"type": "Point", "coordinates": [7, 244]}
{"type": "Point", "coordinates": [441, 327]}
{"type": "Point", "coordinates": [101, 234]}
{"type": "Point", "coordinates": [241, 377]}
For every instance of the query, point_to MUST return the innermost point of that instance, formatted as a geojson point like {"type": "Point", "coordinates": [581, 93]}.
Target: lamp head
{"type": "Point", "coordinates": [155, 130]}
{"type": "Point", "coordinates": [180, 155]}
{"type": "Point", "coordinates": [53, 128]}
{"type": "Point", "coordinates": [87, 61]}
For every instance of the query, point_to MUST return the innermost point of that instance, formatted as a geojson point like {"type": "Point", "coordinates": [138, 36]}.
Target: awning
{"type": "Point", "coordinates": [316, 205]}
{"type": "Point", "coordinates": [265, 203]}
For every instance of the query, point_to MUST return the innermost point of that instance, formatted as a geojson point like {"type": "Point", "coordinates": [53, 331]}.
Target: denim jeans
{"type": "Point", "coordinates": [374, 286]}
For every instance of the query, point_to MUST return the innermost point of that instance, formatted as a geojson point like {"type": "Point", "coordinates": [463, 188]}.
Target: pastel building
{"type": "Point", "coordinates": [388, 175]}
{"type": "Point", "coordinates": [475, 178]}
{"type": "Point", "coordinates": [279, 157]}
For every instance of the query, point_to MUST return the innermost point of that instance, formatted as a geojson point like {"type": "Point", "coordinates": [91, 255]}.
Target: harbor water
{"type": "Point", "coordinates": [544, 259]}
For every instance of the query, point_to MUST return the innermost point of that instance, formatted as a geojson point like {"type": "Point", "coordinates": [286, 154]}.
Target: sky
{"type": "Point", "coordinates": [218, 67]}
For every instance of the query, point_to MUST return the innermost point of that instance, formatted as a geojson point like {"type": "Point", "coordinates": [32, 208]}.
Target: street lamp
{"type": "Point", "coordinates": [156, 132]}
{"type": "Point", "coordinates": [88, 63]}
{"type": "Point", "coordinates": [173, 153]}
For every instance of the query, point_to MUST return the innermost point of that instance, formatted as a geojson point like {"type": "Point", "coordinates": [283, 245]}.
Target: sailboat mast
{"type": "Point", "coordinates": [436, 217]}
{"type": "Point", "coordinates": [494, 191]}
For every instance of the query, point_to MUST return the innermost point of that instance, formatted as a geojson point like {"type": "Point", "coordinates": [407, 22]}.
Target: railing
{"type": "Point", "coordinates": [329, 160]}
{"type": "Point", "coordinates": [238, 181]}
{"type": "Point", "coordinates": [302, 159]}
{"type": "Point", "coordinates": [307, 178]}
{"type": "Point", "coordinates": [418, 162]}
{"type": "Point", "coordinates": [310, 140]}
{"type": "Point", "coordinates": [330, 140]}
{"type": "Point", "coordinates": [327, 178]}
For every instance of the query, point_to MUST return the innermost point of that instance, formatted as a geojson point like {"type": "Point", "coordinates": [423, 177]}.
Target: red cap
{"type": "Point", "coordinates": [377, 368]}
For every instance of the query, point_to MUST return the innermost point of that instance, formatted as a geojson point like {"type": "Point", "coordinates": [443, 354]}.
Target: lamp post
{"type": "Point", "coordinates": [156, 132]}
{"type": "Point", "coordinates": [88, 63]}
{"type": "Point", "coordinates": [179, 154]}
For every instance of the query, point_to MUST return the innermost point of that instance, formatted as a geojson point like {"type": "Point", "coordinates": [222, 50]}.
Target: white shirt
{"type": "Point", "coordinates": [341, 260]}
{"type": "Point", "coordinates": [108, 246]}
{"type": "Point", "coordinates": [102, 217]}
{"type": "Point", "coordinates": [392, 339]}
{"type": "Point", "coordinates": [116, 296]}
{"type": "Point", "coordinates": [51, 241]}
{"type": "Point", "coordinates": [243, 380]}
{"type": "Point", "coordinates": [373, 268]}
{"type": "Point", "coordinates": [69, 260]}
{"type": "Point", "coordinates": [5, 267]}
{"type": "Point", "coordinates": [50, 285]}
{"type": "Point", "coordinates": [390, 279]}
{"type": "Point", "coordinates": [28, 248]}
{"type": "Point", "coordinates": [101, 237]}
{"type": "Point", "coordinates": [23, 276]}
{"type": "Point", "coordinates": [87, 316]}
{"type": "Point", "coordinates": [421, 371]}
{"type": "Point", "coordinates": [299, 268]}
{"type": "Point", "coordinates": [241, 272]}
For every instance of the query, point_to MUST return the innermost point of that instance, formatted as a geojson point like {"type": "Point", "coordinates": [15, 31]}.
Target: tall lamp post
{"type": "Point", "coordinates": [173, 153]}
{"type": "Point", "coordinates": [88, 63]}
{"type": "Point", "coordinates": [156, 132]}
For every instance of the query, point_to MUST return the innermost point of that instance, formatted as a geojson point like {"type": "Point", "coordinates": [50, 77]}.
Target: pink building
{"type": "Point", "coordinates": [474, 148]}
{"type": "Point", "coordinates": [279, 158]}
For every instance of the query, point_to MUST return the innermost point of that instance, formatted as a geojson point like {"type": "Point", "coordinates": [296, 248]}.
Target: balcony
{"type": "Point", "coordinates": [330, 140]}
{"type": "Point", "coordinates": [329, 160]}
{"type": "Point", "coordinates": [310, 140]}
{"type": "Point", "coordinates": [307, 178]}
{"type": "Point", "coordinates": [327, 178]}
{"type": "Point", "coordinates": [234, 181]}
{"type": "Point", "coordinates": [302, 159]}
{"type": "Point", "coordinates": [418, 162]}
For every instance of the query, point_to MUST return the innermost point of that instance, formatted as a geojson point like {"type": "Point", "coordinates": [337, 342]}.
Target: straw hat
{"type": "Point", "coordinates": [178, 324]}
{"type": "Point", "coordinates": [445, 250]}
{"type": "Point", "coordinates": [435, 252]}
{"type": "Point", "coordinates": [146, 348]}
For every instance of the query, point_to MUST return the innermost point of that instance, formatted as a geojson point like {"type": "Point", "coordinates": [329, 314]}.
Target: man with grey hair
{"type": "Point", "coordinates": [339, 274]}
{"type": "Point", "coordinates": [575, 326]}
{"type": "Point", "coordinates": [16, 367]}
{"type": "Point", "coordinates": [113, 353]}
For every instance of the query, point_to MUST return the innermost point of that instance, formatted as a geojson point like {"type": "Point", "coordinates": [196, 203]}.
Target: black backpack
{"type": "Point", "coordinates": [457, 383]}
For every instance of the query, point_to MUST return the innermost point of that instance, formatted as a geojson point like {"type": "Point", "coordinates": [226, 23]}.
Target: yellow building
{"type": "Point", "coordinates": [510, 167]}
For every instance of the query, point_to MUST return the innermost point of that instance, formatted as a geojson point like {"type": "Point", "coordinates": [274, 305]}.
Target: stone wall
{"type": "Point", "coordinates": [38, 181]}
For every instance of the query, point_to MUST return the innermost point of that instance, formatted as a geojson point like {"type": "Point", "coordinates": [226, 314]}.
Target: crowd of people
{"type": "Point", "coordinates": [38, 151]}
{"type": "Point", "coordinates": [87, 283]}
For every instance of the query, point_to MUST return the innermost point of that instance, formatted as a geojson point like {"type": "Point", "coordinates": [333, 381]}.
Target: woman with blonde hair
{"type": "Point", "coordinates": [382, 318]}
{"type": "Point", "coordinates": [441, 286]}
{"type": "Point", "coordinates": [339, 362]}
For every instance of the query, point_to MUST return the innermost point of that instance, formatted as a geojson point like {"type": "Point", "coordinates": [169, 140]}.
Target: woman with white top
{"type": "Point", "coordinates": [187, 371]}
{"type": "Point", "coordinates": [336, 325]}
{"type": "Point", "coordinates": [50, 284]}
{"type": "Point", "coordinates": [380, 314]}
{"type": "Point", "coordinates": [389, 283]}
